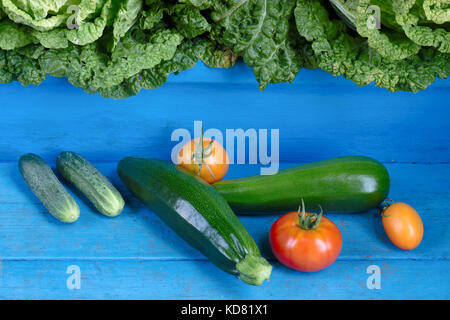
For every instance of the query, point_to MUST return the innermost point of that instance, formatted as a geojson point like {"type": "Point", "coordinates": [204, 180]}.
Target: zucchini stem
{"type": "Point", "coordinates": [254, 269]}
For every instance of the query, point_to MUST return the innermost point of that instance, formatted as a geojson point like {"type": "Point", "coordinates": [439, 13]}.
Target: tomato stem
{"type": "Point", "coordinates": [310, 221]}
{"type": "Point", "coordinates": [200, 153]}
{"type": "Point", "coordinates": [386, 204]}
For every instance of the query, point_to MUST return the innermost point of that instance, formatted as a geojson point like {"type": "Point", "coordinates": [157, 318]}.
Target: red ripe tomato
{"type": "Point", "coordinates": [304, 241]}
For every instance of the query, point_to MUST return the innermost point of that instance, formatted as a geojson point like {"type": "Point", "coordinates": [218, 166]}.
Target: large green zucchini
{"type": "Point", "coordinates": [45, 185]}
{"type": "Point", "coordinates": [345, 184]}
{"type": "Point", "coordinates": [198, 214]}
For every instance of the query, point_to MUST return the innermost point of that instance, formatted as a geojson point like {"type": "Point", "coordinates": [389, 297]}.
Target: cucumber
{"type": "Point", "coordinates": [94, 185]}
{"type": "Point", "coordinates": [45, 185]}
{"type": "Point", "coordinates": [198, 214]}
{"type": "Point", "coordinates": [345, 184]}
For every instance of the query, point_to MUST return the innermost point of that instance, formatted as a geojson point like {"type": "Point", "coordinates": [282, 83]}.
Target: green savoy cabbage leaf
{"type": "Point", "coordinates": [117, 47]}
{"type": "Point", "coordinates": [13, 36]}
{"type": "Point", "coordinates": [88, 32]}
{"type": "Point", "coordinates": [128, 88]}
{"type": "Point", "coordinates": [52, 39]}
{"type": "Point", "coordinates": [437, 11]}
{"type": "Point", "coordinates": [91, 69]}
{"type": "Point", "coordinates": [17, 67]}
{"type": "Point", "coordinates": [202, 4]}
{"type": "Point", "coordinates": [189, 21]}
{"type": "Point", "coordinates": [404, 25]}
{"type": "Point", "coordinates": [261, 32]}
{"type": "Point", "coordinates": [126, 17]}
{"type": "Point", "coordinates": [409, 16]}
{"type": "Point", "coordinates": [151, 17]}
{"type": "Point", "coordinates": [80, 22]}
{"type": "Point", "coordinates": [186, 57]}
{"type": "Point", "coordinates": [340, 53]}
{"type": "Point", "coordinates": [41, 15]}
{"type": "Point", "coordinates": [388, 43]}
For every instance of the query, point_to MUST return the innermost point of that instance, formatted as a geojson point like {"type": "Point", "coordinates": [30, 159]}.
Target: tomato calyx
{"type": "Point", "coordinates": [310, 221]}
{"type": "Point", "coordinates": [201, 153]}
{"type": "Point", "coordinates": [386, 204]}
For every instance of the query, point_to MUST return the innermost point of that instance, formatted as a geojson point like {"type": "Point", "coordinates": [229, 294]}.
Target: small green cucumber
{"type": "Point", "coordinates": [89, 181]}
{"type": "Point", "coordinates": [45, 185]}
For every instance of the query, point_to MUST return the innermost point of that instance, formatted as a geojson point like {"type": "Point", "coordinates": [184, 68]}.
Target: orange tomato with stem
{"type": "Point", "coordinates": [402, 224]}
{"type": "Point", "coordinates": [204, 157]}
{"type": "Point", "coordinates": [305, 241]}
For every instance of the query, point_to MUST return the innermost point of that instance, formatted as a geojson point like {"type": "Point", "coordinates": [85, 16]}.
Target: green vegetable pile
{"type": "Point", "coordinates": [117, 47]}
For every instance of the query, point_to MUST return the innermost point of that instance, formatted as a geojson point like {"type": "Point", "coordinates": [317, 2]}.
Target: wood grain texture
{"type": "Point", "coordinates": [136, 256]}
{"type": "Point", "coordinates": [315, 122]}
{"type": "Point", "coordinates": [201, 280]}
{"type": "Point", "coordinates": [28, 231]}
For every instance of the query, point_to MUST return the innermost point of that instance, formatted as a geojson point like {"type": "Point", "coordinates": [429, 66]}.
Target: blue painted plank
{"type": "Point", "coordinates": [242, 74]}
{"type": "Point", "coordinates": [46, 279]}
{"type": "Point", "coordinates": [28, 232]}
{"type": "Point", "coordinates": [315, 122]}
{"type": "Point", "coordinates": [137, 256]}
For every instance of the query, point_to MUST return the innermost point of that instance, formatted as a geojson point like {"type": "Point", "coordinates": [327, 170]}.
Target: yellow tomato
{"type": "Point", "coordinates": [403, 225]}
{"type": "Point", "coordinates": [210, 162]}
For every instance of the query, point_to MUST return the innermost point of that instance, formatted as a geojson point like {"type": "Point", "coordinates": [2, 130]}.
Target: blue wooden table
{"type": "Point", "coordinates": [136, 256]}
